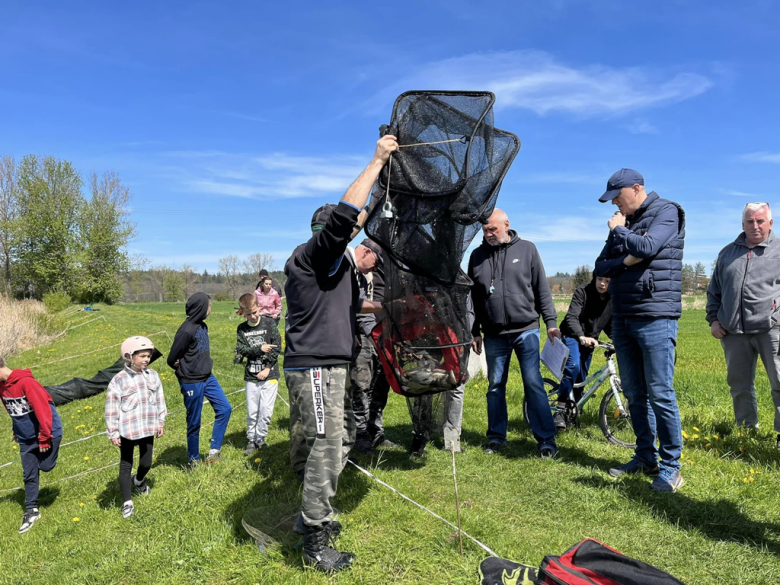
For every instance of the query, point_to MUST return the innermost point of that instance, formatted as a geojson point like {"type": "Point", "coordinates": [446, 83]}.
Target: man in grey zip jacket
{"type": "Point", "coordinates": [510, 292]}
{"type": "Point", "coordinates": [743, 307]}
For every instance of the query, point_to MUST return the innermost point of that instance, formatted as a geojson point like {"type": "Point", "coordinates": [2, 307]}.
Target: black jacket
{"type": "Point", "coordinates": [250, 340]}
{"type": "Point", "coordinates": [520, 290]}
{"type": "Point", "coordinates": [322, 296]}
{"type": "Point", "coordinates": [589, 314]}
{"type": "Point", "coordinates": [191, 344]}
{"type": "Point", "coordinates": [371, 291]}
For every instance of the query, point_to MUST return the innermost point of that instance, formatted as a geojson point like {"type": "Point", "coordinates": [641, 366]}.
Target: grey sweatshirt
{"type": "Point", "coordinates": [744, 293]}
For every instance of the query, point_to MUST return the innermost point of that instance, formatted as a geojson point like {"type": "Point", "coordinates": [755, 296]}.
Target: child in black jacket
{"type": "Point", "coordinates": [589, 314]}
{"type": "Point", "coordinates": [190, 357]}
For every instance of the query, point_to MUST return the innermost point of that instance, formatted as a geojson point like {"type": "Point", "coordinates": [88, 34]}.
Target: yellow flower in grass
{"type": "Point", "coordinates": [708, 445]}
{"type": "Point", "coordinates": [695, 436]}
{"type": "Point", "coordinates": [697, 429]}
{"type": "Point", "coordinates": [257, 460]}
{"type": "Point", "coordinates": [685, 435]}
{"type": "Point", "coordinates": [76, 519]}
{"type": "Point", "coordinates": [716, 437]}
{"type": "Point", "coordinates": [81, 505]}
{"type": "Point", "coordinates": [752, 471]}
{"type": "Point", "coordinates": [15, 447]}
{"type": "Point", "coordinates": [80, 427]}
{"type": "Point", "coordinates": [86, 458]}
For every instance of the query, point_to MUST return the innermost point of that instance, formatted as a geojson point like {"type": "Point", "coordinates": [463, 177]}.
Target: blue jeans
{"type": "Point", "coordinates": [645, 353]}
{"type": "Point", "coordinates": [576, 369]}
{"type": "Point", "coordinates": [498, 351]}
{"type": "Point", "coordinates": [193, 401]}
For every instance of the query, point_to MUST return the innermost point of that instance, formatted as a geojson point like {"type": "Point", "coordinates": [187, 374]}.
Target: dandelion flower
{"type": "Point", "coordinates": [708, 445]}
{"type": "Point", "coordinates": [79, 410]}
{"type": "Point", "coordinates": [752, 470]}
{"type": "Point", "coordinates": [716, 437]}
{"type": "Point", "coordinates": [86, 458]}
{"type": "Point", "coordinates": [685, 435]}
{"type": "Point", "coordinates": [697, 429]}
{"type": "Point", "coordinates": [695, 436]}
{"type": "Point", "coordinates": [81, 505]}
{"type": "Point", "coordinates": [752, 479]}
{"type": "Point", "coordinates": [76, 519]}
{"type": "Point", "coordinates": [15, 447]}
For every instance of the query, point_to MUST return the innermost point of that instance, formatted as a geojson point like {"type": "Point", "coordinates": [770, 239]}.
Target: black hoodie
{"type": "Point", "coordinates": [191, 344]}
{"type": "Point", "coordinates": [322, 296]}
{"type": "Point", "coordinates": [520, 293]}
{"type": "Point", "coordinates": [589, 313]}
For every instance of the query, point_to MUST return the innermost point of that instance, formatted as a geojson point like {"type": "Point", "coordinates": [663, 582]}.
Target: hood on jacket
{"type": "Point", "coordinates": [513, 237]}
{"type": "Point", "coordinates": [197, 307]}
{"type": "Point", "coordinates": [17, 375]}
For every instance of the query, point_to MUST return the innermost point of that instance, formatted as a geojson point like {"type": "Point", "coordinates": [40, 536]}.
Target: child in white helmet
{"type": "Point", "coordinates": [135, 415]}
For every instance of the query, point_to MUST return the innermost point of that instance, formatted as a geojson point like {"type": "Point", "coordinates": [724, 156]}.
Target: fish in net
{"type": "Point", "coordinates": [427, 205]}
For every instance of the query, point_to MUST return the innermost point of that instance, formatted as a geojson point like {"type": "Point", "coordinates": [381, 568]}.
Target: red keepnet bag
{"type": "Point", "coordinates": [592, 563]}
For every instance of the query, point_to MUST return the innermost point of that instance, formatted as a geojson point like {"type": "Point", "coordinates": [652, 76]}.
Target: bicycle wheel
{"type": "Point", "coordinates": [551, 388]}
{"type": "Point", "coordinates": [616, 422]}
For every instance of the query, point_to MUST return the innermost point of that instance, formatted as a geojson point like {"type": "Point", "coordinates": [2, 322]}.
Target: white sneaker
{"type": "Point", "coordinates": [29, 518]}
{"type": "Point", "coordinates": [128, 510]}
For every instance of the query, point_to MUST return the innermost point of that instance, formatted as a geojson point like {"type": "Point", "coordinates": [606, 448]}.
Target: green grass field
{"type": "Point", "coordinates": [722, 527]}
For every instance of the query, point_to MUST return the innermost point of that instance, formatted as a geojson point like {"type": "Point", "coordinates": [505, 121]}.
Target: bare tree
{"type": "Point", "coordinates": [137, 273]}
{"type": "Point", "coordinates": [189, 277]}
{"type": "Point", "coordinates": [9, 212]}
{"type": "Point", "coordinates": [229, 268]}
{"type": "Point", "coordinates": [158, 276]}
{"type": "Point", "coordinates": [256, 262]}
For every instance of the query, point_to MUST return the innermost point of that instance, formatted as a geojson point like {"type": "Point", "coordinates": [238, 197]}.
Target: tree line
{"type": "Point", "coordinates": [60, 233]}
{"type": "Point", "coordinates": [144, 281]}
{"type": "Point", "coordinates": [694, 279]}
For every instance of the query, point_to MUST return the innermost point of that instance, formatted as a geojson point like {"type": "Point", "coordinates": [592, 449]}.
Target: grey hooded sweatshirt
{"type": "Point", "coordinates": [744, 292]}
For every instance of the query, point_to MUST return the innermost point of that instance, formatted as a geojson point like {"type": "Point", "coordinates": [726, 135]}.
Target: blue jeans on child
{"type": "Point", "coordinates": [193, 401]}
{"type": "Point", "coordinates": [34, 461]}
{"type": "Point", "coordinates": [576, 369]}
{"type": "Point", "coordinates": [498, 351]}
{"type": "Point", "coordinates": [645, 353]}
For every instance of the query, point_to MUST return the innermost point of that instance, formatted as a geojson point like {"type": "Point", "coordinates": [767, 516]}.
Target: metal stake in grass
{"type": "Point", "coordinates": [452, 438]}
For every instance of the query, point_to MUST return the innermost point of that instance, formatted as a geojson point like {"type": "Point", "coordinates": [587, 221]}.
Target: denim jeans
{"type": "Point", "coordinates": [576, 369]}
{"type": "Point", "coordinates": [193, 401]}
{"type": "Point", "coordinates": [645, 353]}
{"type": "Point", "coordinates": [498, 351]}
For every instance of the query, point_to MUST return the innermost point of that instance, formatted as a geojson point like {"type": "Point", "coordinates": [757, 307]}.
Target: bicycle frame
{"type": "Point", "coordinates": [598, 378]}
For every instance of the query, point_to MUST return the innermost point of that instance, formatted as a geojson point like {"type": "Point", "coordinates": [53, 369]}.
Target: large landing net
{"type": "Point", "coordinates": [427, 205]}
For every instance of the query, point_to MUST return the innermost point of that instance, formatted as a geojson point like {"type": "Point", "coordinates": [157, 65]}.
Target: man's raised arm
{"type": "Point", "coordinates": [357, 194]}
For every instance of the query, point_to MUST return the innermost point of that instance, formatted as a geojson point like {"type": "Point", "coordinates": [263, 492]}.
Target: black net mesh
{"type": "Point", "coordinates": [427, 206]}
{"type": "Point", "coordinates": [443, 180]}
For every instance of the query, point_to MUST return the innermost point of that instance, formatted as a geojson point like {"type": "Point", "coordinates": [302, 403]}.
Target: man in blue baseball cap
{"type": "Point", "coordinates": [643, 257]}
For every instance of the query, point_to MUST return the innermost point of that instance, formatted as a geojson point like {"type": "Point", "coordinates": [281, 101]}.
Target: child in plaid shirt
{"type": "Point", "coordinates": [135, 415]}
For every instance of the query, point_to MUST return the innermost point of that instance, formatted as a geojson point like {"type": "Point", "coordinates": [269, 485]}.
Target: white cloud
{"type": "Point", "coordinates": [535, 81]}
{"type": "Point", "coordinates": [770, 157]}
{"type": "Point", "coordinates": [741, 194]}
{"type": "Point", "coordinates": [266, 177]}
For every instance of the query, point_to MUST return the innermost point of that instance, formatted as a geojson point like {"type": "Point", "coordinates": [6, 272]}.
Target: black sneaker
{"type": "Point", "coordinates": [318, 554]}
{"type": "Point", "coordinates": [418, 445]}
{"type": "Point", "coordinates": [492, 448]}
{"type": "Point", "coordinates": [548, 452]}
{"type": "Point", "coordinates": [29, 518]}
{"type": "Point", "coordinates": [633, 467]}
{"type": "Point", "coordinates": [778, 441]}
{"type": "Point", "coordinates": [141, 488]}
{"type": "Point", "coordinates": [300, 474]}
{"type": "Point", "coordinates": [363, 444]}
{"type": "Point", "coordinates": [560, 419]}
{"type": "Point", "coordinates": [385, 443]}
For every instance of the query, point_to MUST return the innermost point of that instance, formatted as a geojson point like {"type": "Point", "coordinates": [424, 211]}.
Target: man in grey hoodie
{"type": "Point", "coordinates": [743, 307]}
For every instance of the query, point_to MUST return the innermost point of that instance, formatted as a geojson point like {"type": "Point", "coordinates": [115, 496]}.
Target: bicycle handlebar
{"type": "Point", "coordinates": [606, 346]}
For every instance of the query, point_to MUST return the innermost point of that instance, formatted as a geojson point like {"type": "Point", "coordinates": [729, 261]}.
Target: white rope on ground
{"type": "Point", "coordinates": [432, 513]}
{"type": "Point", "coordinates": [95, 351]}
{"type": "Point", "coordinates": [82, 324]}
{"type": "Point", "coordinates": [88, 471]}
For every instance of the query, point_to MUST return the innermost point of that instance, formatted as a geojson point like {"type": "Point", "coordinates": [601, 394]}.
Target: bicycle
{"type": "Point", "coordinates": [614, 418]}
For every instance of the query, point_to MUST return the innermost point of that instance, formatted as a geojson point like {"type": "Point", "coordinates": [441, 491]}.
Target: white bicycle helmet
{"type": "Point", "coordinates": [134, 344]}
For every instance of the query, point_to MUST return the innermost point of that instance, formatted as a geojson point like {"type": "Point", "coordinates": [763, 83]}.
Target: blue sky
{"type": "Point", "coordinates": [232, 123]}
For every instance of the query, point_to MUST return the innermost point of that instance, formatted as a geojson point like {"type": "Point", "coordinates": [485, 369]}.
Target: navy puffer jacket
{"type": "Point", "coordinates": [653, 287]}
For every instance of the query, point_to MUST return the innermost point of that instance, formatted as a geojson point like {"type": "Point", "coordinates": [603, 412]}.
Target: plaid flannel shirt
{"type": "Point", "coordinates": [135, 405]}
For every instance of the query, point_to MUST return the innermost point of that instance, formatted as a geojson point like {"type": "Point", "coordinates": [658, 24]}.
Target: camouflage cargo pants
{"type": "Point", "coordinates": [370, 390]}
{"type": "Point", "coordinates": [322, 432]}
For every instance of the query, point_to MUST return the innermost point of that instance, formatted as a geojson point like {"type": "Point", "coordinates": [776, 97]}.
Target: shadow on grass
{"type": "Point", "coordinates": [718, 519]}
{"type": "Point", "coordinates": [281, 486]}
{"type": "Point", "coordinates": [173, 456]}
{"type": "Point", "coordinates": [46, 497]}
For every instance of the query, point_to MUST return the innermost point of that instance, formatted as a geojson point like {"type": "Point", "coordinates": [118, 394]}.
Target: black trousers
{"type": "Point", "coordinates": [126, 448]}
{"type": "Point", "coordinates": [34, 461]}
